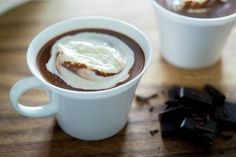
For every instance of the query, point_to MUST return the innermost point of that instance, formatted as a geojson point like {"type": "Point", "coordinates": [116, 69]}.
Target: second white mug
{"type": "Point", "coordinates": [192, 43]}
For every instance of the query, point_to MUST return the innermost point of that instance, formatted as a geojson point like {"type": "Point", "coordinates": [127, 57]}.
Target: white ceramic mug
{"type": "Point", "coordinates": [88, 115]}
{"type": "Point", "coordinates": [188, 42]}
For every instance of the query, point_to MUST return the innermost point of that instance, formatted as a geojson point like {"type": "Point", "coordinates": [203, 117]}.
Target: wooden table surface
{"type": "Point", "coordinates": [25, 137]}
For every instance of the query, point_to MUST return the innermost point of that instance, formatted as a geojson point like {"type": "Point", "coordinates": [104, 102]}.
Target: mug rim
{"type": "Point", "coordinates": [194, 19]}
{"type": "Point", "coordinates": [68, 92]}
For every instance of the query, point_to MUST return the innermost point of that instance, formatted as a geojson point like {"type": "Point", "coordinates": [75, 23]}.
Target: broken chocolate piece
{"type": "Point", "coordinates": [170, 128]}
{"type": "Point", "coordinates": [188, 124]}
{"type": "Point", "coordinates": [194, 98]}
{"type": "Point", "coordinates": [203, 134]}
{"type": "Point", "coordinates": [170, 120]}
{"type": "Point", "coordinates": [210, 126]}
{"type": "Point", "coordinates": [174, 113]}
{"type": "Point", "coordinates": [217, 97]}
{"type": "Point", "coordinates": [153, 132]}
{"type": "Point", "coordinates": [226, 114]}
{"type": "Point", "coordinates": [151, 109]}
{"type": "Point", "coordinates": [197, 115]}
{"type": "Point", "coordinates": [209, 132]}
{"type": "Point", "coordinates": [144, 99]}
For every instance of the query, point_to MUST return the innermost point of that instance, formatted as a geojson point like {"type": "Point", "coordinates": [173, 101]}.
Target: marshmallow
{"type": "Point", "coordinates": [91, 61]}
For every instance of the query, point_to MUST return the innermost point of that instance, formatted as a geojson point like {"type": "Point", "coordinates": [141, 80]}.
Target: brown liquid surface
{"type": "Point", "coordinates": [44, 55]}
{"type": "Point", "coordinates": [218, 10]}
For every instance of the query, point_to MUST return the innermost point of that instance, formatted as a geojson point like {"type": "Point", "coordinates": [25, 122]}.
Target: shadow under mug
{"type": "Point", "coordinates": [87, 115]}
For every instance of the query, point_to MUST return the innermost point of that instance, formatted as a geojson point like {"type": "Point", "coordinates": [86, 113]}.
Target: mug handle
{"type": "Point", "coordinates": [20, 88]}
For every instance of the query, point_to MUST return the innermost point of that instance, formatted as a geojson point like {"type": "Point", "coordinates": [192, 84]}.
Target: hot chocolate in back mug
{"type": "Point", "coordinates": [87, 115]}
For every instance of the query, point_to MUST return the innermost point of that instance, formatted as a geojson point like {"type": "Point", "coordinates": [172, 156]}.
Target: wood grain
{"type": "Point", "coordinates": [20, 136]}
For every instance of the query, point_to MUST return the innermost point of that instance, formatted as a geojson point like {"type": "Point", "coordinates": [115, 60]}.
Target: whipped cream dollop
{"type": "Point", "coordinates": [91, 61]}
{"type": "Point", "coordinates": [193, 6]}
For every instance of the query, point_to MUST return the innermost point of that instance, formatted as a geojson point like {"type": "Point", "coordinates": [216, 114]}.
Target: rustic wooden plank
{"type": "Point", "coordinates": [20, 136]}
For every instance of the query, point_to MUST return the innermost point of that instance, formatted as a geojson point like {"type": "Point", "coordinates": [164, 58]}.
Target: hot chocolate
{"type": "Point", "coordinates": [90, 59]}
{"type": "Point", "coordinates": [200, 8]}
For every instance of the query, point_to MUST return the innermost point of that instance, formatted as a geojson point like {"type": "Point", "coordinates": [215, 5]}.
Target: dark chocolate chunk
{"type": "Point", "coordinates": [197, 115]}
{"type": "Point", "coordinates": [226, 114]}
{"type": "Point", "coordinates": [170, 128]}
{"type": "Point", "coordinates": [173, 113]}
{"type": "Point", "coordinates": [209, 126]}
{"type": "Point", "coordinates": [200, 118]}
{"type": "Point", "coordinates": [153, 132]}
{"type": "Point", "coordinates": [217, 97]}
{"type": "Point", "coordinates": [209, 131]}
{"type": "Point", "coordinates": [188, 124]}
{"type": "Point", "coordinates": [170, 120]}
{"type": "Point", "coordinates": [151, 109]}
{"type": "Point", "coordinates": [145, 99]}
{"type": "Point", "coordinates": [191, 123]}
{"type": "Point", "coordinates": [194, 98]}
{"type": "Point", "coordinates": [203, 134]}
